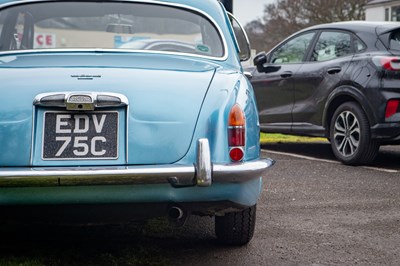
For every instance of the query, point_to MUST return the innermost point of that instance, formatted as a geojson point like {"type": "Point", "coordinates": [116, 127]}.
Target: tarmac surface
{"type": "Point", "coordinates": [313, 211]}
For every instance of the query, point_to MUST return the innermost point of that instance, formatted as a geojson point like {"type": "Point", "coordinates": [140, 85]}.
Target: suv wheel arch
{"type": "Point", "coordinates": [346, 94]}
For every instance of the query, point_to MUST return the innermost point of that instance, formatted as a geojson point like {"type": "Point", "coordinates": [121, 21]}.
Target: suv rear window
{"type": "Point", "coordinates": [118, 25]}
{"type": "Point", "coordinates": [331, 45]}
{"type": "Point", "coordinates": [394, 40]}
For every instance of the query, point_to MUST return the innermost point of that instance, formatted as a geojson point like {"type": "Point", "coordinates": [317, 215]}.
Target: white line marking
{"type": "Point", "coordinates": [301, 156]}
{"type": "Point", "coordinates": [381, 169]}
{"type": "Point", "coordinates": [328, 161]}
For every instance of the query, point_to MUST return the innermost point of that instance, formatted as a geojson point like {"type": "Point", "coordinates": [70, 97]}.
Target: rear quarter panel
{"type": "Point", "coordinates": [228, 87]}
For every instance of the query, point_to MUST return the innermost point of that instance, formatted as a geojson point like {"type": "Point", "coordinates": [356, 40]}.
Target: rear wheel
{"type": "Point", "coordinates": [351, 137]}
{"type": "Point", "coordinates": [236, 228]}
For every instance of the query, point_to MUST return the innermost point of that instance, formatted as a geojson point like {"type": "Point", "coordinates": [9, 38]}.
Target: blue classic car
{"type": "Point", "coordinates": [90, 121]}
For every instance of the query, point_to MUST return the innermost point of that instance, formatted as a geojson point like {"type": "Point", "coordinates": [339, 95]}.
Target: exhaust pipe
{"type": "Point", "coordinates": [175, 213]}
{"type": "Point", "coordinates": [176, 216]}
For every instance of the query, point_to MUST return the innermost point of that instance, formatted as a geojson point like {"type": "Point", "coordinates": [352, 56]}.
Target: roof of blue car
{"type": "Point", "coordinates": [204, 5]}
{"type": "Point", "coordinates": [210, 7]}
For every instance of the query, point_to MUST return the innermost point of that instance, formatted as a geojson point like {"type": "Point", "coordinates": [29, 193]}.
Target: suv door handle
{"type": "Point", "coordinates": [287, 74]}
{"type": "Point", "coordinates": [334, 70]}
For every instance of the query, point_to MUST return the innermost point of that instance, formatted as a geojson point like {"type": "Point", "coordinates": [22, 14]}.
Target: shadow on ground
{"type": "Point", "coordinates": [154, 242]}
{"type": "Point", "coordinates": [388, 157]}
{"type": "Point", "coordinates": [319, 150]}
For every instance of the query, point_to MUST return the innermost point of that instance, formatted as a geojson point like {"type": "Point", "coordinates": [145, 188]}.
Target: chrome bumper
{"type": "Point", "coordinates": [202, 174]}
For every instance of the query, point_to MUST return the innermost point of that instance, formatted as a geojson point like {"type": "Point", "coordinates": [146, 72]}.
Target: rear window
{"type": "Point", "coordinates": [394, 40]}
{"type": "Point", "coordinates": [331, 45]}
{"type": "Point", "coordinates": [118, 25]}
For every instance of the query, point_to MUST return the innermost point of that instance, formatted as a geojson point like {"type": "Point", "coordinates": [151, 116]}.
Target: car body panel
{"type": "Point", "coordinates": [172, 124]}
{"type": "Point", "coordinates": [276, 109]}
{"type": "Point", "coordinates": [313, 83]}
{"type": "Point", "coordinates": [245, 194]}
{"type": "Point", "coordinates": [346, 90]}
{"type": "Point", "coordinates": [134, 81]}
{"type": "Point", "coordinates": [317, 94]}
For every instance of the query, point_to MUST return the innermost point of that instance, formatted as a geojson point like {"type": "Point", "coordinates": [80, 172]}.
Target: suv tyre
{"type": "Point", "coordinates": [350, 135]}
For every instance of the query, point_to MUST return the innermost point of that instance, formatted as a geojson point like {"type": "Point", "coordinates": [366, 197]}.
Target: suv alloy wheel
{"type": "Point", "coordinates": [350, 135]}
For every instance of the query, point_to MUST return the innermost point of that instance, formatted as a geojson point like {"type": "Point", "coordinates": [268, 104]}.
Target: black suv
{"type": "Point", "coordinates": [340, 81]}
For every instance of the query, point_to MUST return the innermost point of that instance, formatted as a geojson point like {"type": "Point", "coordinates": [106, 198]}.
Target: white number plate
{"type": "Point", "coordinates": [77, 136]}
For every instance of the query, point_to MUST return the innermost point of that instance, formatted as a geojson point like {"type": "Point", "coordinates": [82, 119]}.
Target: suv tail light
{"type": "Point", "coordinates": [387, 62]}
{"type": "Point", "coordinates": [236, 133]}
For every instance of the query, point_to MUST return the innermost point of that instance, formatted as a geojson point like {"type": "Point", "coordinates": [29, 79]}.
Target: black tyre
{"type": "Point", "coordinates": [350, 135]}
{"type": "Point", "coordinates": [236, 228]}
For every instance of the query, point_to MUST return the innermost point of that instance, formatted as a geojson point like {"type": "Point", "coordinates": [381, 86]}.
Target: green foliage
{"type": "Point", "coordinates": [17, 261]}
{"type": "Point", "coordinates": [281, 138]}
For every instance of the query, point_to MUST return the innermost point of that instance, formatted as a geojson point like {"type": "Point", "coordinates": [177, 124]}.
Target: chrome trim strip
{"type": "Point", "coordinates": [237, 172]}
{"type": "Point", "coordinates": [97, 50]}
{"type": "Point", "coordinates": [235, 127]}
{"type": "Point", "coordinates": [190, 8]}
{"type": "Point", "coordinates": [38, 101]}
{"type": "Point", "coordinates": [36, 177]}
{"type": "Point", "coordinates": [244, 33]}
{"type": "Point", "coordinates": [33, 133]}
{"type": "Point", "coordinates": [175, 175]}
{"type": "Point", "coordinates": [127, 116]}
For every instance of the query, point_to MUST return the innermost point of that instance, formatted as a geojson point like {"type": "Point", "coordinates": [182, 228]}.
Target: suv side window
{"type": "Point", "coordinates": [331, 45]}
{"type": "Point", "coordinates": [395, 40]}
{"type": "Point", "coordinates": [359, 46]}
{"type": "Point", "coordinates": [292, 51]}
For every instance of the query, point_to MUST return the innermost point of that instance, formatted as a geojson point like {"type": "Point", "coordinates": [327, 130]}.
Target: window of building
{"type": "Point", "coordinates": [387, 14]}
{"type": "Point", "coordinates": [396, 13]}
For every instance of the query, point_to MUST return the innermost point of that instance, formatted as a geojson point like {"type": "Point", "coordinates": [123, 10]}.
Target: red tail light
{"type": "Point", "coordinates": [387, 62]}
{"type": "Point", "coordinates": [236, 154]}
{"type": "Point", "coordinates": [236, 136]}
{"type": "Point", "coordinates": [236, 133]}
{"type": "Point", "coordinates": [391, 107]}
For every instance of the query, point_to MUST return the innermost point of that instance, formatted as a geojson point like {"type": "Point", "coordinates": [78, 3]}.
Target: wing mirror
{"type": "Point", "coordinates": [260, 61]}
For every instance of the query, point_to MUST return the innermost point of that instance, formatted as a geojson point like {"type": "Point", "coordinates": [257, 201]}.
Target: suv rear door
{"type": "Point", "coordinates": [328, 60]}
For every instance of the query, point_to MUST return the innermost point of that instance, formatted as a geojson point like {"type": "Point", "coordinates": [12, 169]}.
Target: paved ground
{"type": "Point", "coordinates": [312, 212]}
{"type": "Point", "coordinates": [325, 213]}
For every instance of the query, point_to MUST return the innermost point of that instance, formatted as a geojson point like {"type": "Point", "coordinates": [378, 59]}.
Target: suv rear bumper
{"type": "Point", "coordinates": [386, 132]}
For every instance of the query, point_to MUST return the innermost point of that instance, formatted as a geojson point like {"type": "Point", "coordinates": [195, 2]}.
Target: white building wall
{"type": "Point", "coordinates": [375, 14]}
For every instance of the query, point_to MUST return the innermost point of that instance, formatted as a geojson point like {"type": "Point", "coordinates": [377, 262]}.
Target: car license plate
{"type": "Point", "coordinates": [75, 136]}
